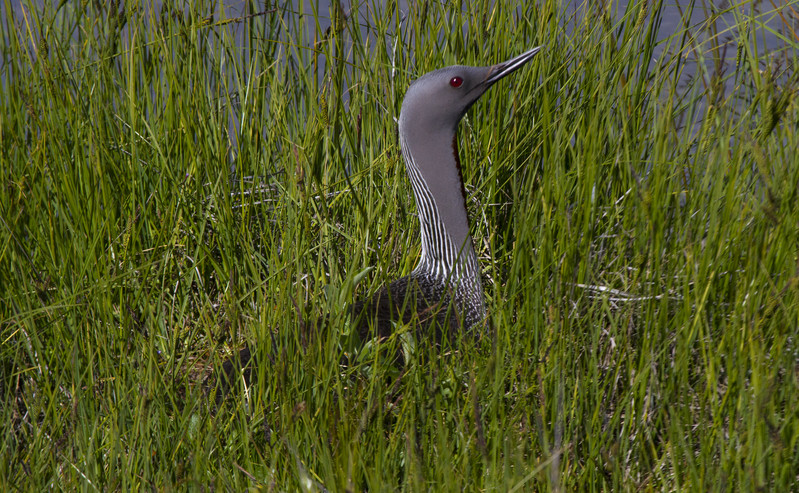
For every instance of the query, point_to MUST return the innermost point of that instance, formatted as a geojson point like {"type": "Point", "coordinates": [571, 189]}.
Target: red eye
{"type": "Point", "coordinates": [456, 81]}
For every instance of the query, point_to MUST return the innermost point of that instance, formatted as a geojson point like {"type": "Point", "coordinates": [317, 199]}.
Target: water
{"type": "Point", "coordinates": [703, 31]}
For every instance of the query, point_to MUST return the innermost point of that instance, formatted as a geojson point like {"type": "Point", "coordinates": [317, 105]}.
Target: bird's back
{"type": "Point", "coordinates": [423, 303]}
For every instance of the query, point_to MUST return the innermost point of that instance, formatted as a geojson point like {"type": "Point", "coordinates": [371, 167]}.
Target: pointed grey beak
{"type": "Point", "coordinates": [500, 70]}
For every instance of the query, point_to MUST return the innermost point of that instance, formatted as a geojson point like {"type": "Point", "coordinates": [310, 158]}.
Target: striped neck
{"type": "Point", "coordinates": [448, 256]}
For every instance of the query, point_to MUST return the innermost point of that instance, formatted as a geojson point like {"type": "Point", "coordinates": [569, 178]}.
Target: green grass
{"type": "Point", "coordinates": [639, 248]}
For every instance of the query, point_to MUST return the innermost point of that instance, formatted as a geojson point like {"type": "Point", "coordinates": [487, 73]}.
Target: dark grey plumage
{"type": "Point", "coordinates": [411, 299]}
{"type": "Point", "coordinates": [445, 288]}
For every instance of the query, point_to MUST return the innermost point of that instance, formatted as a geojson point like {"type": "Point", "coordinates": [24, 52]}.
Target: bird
{"type": "Point", "coordinates": [444, 292]}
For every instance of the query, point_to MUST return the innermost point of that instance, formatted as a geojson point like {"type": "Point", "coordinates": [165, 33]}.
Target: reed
{"type": "Point", "coordinates": [638, 241]}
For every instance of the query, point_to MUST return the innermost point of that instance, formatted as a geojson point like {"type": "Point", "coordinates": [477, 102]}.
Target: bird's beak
{"type": "Point", "coordinates": [500, 70]}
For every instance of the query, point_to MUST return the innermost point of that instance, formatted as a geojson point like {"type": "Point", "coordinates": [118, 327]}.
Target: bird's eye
{"type": "Point", "coordinates": [456, 81]}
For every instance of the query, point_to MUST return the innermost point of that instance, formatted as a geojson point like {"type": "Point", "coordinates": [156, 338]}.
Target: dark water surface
{"type": "Point", "coordinates": [703, 31]}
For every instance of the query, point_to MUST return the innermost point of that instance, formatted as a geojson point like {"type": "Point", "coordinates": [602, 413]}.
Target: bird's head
{"type": "Point", "coordinates": [439, 99]}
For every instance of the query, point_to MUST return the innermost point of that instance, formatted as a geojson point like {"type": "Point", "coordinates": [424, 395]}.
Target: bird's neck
{"type": "Point", "coordinates": [447, 251]}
